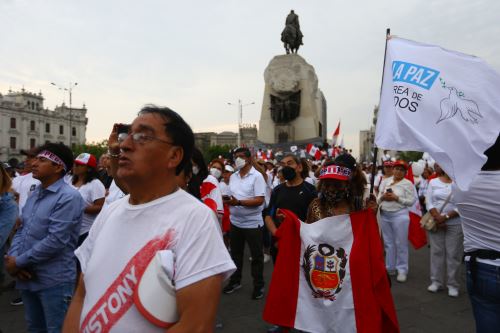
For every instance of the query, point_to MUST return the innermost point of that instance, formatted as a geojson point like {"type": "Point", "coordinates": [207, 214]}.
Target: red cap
{"type": "Point", "coordinates": [401, 163]}
{"type": "Point", "coordinates": [335, 172]}
{"type": "Point", "coordinates": [388, 163]}
{"type": "Point", "coordinates": [86, 159]}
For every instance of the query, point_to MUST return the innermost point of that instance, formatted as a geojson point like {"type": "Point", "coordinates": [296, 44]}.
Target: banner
{"type": "Point", "coordinates": [439, 101]}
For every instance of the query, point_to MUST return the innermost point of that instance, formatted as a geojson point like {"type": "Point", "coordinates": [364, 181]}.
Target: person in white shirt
{"type": "Point", "coordinates": [156, 216]}
{"type": "Point", "coordinates": [210, 191]}
{"type": "Point", "coordinates": [248, 190]}
{"type": "Point", "coordinates": [25, 184]}
{"type": "Point", "coordinates": [396, 195]}
{"type": "Point", "coordinates": [381, 176]}
{"type": "Point", "coordinates": [86, 181]}
{"type": "Point", "coordinates": [479, 208]}
{"type": "Point", "coordinates": [447, 241]}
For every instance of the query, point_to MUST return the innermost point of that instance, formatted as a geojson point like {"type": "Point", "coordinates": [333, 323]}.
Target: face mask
{"type": "Point", "coordinates": [195, 170]}
{"type": "Point", "coordinates": [215, 172]}
{"type": "Point", "coordinates": [289, 173]}
{"type": "Point", "coordinates": [239, 163]}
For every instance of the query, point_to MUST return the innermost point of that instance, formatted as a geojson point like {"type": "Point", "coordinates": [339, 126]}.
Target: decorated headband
{"type": "Point", "coordinates": [52, 157]}
{"type": "Point", "coordinates": [335, 172]}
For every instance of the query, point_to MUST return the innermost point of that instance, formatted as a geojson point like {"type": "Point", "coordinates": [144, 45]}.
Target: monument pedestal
{"type": "Point", "coordinates": [293, 109]}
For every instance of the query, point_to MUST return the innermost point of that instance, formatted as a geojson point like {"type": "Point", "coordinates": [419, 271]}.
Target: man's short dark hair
{"type": "Point", "coordinates": [244, 150]}
{"type": "Point", "coordinates": [293, 156]}
{"type": "Point", "coordinates": [62, 151]}
{"type": "Point", "coordinates": [177, 129]}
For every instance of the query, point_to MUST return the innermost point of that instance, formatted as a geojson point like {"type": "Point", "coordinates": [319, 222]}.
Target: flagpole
{"type": "Point", "coordinates": [375, 148]}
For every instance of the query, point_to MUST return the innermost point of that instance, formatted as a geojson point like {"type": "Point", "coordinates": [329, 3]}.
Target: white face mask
{"type": "Point", "coordinates": [195, 169]}
{"type": "Point", "coordinates": [239, 163]}
{"type": "Point", "coordinates": [215, 172]}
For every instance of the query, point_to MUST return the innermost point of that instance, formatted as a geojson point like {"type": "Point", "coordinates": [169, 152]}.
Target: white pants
{"type": "Point", "coordinates": [395, 233]}
{"type": "Point", "coordinates": [446, 252]}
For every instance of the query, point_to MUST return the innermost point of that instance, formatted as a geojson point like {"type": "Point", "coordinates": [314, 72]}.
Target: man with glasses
{"type": "Point", "coordinates": [155, 219]}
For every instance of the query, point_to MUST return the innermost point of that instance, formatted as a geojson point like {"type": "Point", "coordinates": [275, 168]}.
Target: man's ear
{"type": "Point", "coordinates": [175, 156]}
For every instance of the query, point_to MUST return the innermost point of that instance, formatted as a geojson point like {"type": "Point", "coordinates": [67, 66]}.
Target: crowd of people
{"type": "Point", "coordinates": [80, 233]}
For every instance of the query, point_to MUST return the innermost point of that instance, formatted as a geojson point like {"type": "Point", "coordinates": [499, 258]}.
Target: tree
{"type": "Point", "coordinates": [94, 148]}
{"type": "Point", "coordinates": [410, 156]}
{"type": "Point", "coordinates": [215, 151]}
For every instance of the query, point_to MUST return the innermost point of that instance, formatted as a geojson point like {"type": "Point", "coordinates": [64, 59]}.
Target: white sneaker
{"type": "Point", "coordinates": [401, 277]}
{"type": "Point", "coordinates": [267, 258]}
{"type": "Point", "coordinates": [452, 292]}
{"type": "Point", "coordinates": [434, 287]}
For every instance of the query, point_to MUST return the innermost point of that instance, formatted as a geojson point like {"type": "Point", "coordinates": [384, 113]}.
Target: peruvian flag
{"type": "Point", "coordinates": [335, 135]}
{"type": "Point", "coordinates": [330, 276]}
{"type": "Point", "coordinates": [313, 151]}
{"type": "Point", "coordinates": [416, 235]}
{"type": "Point", "coordinates": [211, 195]}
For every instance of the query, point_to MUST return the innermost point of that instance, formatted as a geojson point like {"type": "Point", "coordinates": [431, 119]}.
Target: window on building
{"type": "Point", "coordinates": [47, 128]}
{"type": "Point", "coordinates": [37, 106]}
{"type": "Point", "coordinates": [12, 143]}
{"type": "Point", "coordinates": [32, 143]}
{"type": "Point", "coordinates": [12, 122]}
{"type": "Point", "coordinates": [32, 125]}
{"type": "Point", "coordinates": [61, 129]}
{"type": "Point", "coordinates": [73, 131]}
{"type": "Point", "coordinates": [32, 105]}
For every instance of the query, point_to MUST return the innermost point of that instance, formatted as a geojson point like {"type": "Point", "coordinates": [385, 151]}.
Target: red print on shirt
{"type": "Point", "coordinates": [118, 298]}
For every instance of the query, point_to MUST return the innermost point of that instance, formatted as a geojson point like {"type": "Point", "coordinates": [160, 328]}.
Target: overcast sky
{"type": "Point", "coordinates": [195, 56]}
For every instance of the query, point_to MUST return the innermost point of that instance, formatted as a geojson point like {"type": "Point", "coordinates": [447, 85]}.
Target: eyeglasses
{"type": "Point", "coordinates": [140, 138]}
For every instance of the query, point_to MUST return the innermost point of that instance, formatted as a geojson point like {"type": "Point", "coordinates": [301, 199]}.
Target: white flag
{"type": "Point", "coordinates": [440, 101]}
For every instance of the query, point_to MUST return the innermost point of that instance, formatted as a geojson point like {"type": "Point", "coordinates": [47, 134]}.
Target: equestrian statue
{"type": "Point", "coordinates": [291, 35]}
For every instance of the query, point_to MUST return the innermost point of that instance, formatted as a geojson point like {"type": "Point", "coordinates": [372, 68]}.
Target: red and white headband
{"type": "Point", "coordinates": [335, 172]}
{"type": "Point", "coordinates": [52, 157]}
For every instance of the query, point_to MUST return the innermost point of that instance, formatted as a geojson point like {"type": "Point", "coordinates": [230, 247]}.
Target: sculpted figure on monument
{"type": "Point", "coordinates": [285, 109]}
{"type": "Point", "coordinates": [291, 35]}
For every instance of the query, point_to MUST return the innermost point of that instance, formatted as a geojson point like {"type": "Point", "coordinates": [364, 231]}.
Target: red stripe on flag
{"type": "Point", "coordinates": [373, 304]}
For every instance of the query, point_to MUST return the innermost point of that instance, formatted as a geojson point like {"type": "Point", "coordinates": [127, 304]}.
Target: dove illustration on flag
{"type": "Point", "coordinates": [330, 276]}
{"type": "Point", "coordinates": [442, 102]}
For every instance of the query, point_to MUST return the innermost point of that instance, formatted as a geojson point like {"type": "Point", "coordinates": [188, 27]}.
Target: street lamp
{"type": "Point", "coordinates": [70, 91]}
{"type": "Point", "coordinates": [240, 117]}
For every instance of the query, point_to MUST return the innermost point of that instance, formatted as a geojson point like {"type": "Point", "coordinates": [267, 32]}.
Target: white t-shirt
{"type": "Point", "coordinates": [224, 188]}
{"type": "Point", "coordinates": [24, 185]}
{"type": "Point", "coordinates": [437, 192]}
{"type": "Point", "coordinates": [250, 186]}
{"type": "Point", "coordinates": [405, 191]}
{"type": "Point", "coordinates": [90, 192]}
{"type": "Point", "coordinates": [114, 193]}
{"type": "Point", "coordinates": [479, 209]}
{"type": "Point", "coordinates": [122, 242]}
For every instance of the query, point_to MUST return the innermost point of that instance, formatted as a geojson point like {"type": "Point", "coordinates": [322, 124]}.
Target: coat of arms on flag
{"type": "Point", "coordinates": [330, 276]}
{"type": "Point", "coordinates": [324, 270]}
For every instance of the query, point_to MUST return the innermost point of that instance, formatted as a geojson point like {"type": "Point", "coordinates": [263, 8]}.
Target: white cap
{"type": "Point", "coordinates": [229, 168]}
{"type": "Point", "coordinates": [155, 294]}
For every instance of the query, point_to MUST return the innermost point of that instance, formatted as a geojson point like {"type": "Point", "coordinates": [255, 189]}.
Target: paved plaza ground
{"type": "Point", "coordinates": [418, 310]}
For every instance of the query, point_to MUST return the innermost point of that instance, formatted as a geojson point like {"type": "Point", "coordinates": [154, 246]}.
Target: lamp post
{"type": "Point", "coordinates": [240, 116]}
{"type": "Point", "coordinates": [70, 91]}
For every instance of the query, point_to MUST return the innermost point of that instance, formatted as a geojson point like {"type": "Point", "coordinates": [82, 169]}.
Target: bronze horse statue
{"type": "Point", "coordinates": [291, 38]}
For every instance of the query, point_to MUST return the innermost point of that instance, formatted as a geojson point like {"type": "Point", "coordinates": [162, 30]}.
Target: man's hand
{"type": "Point", "coordinates": [10, 265]}
{"type": "Point", "coordinates": [113, 144]}
{"type": "Point", "coordinates": [232, 201]}
{"type": "Point", "coordinates": [24, 275]}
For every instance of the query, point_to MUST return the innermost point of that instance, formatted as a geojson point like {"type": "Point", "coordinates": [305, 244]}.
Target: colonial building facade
{"type": "Point", "coordinates": [25, 123]}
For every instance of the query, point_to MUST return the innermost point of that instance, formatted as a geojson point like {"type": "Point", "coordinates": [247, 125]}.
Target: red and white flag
{"type": "Point", "coordinates": [211, 195]}
{"type": "Point", "coordinates": [416, 235]}
{"type": "Point", "coordinates": [335, 135]}
{"type": "Point", "coordinates": [330, 276]}
{"type": "Point", "coordinates": [313, 151]}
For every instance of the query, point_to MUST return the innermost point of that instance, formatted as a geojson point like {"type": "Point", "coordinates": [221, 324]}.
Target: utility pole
{"type": "Point", "coordinates": [240, 117]}
{"type": "Point", "coordinates": [70, 91]}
